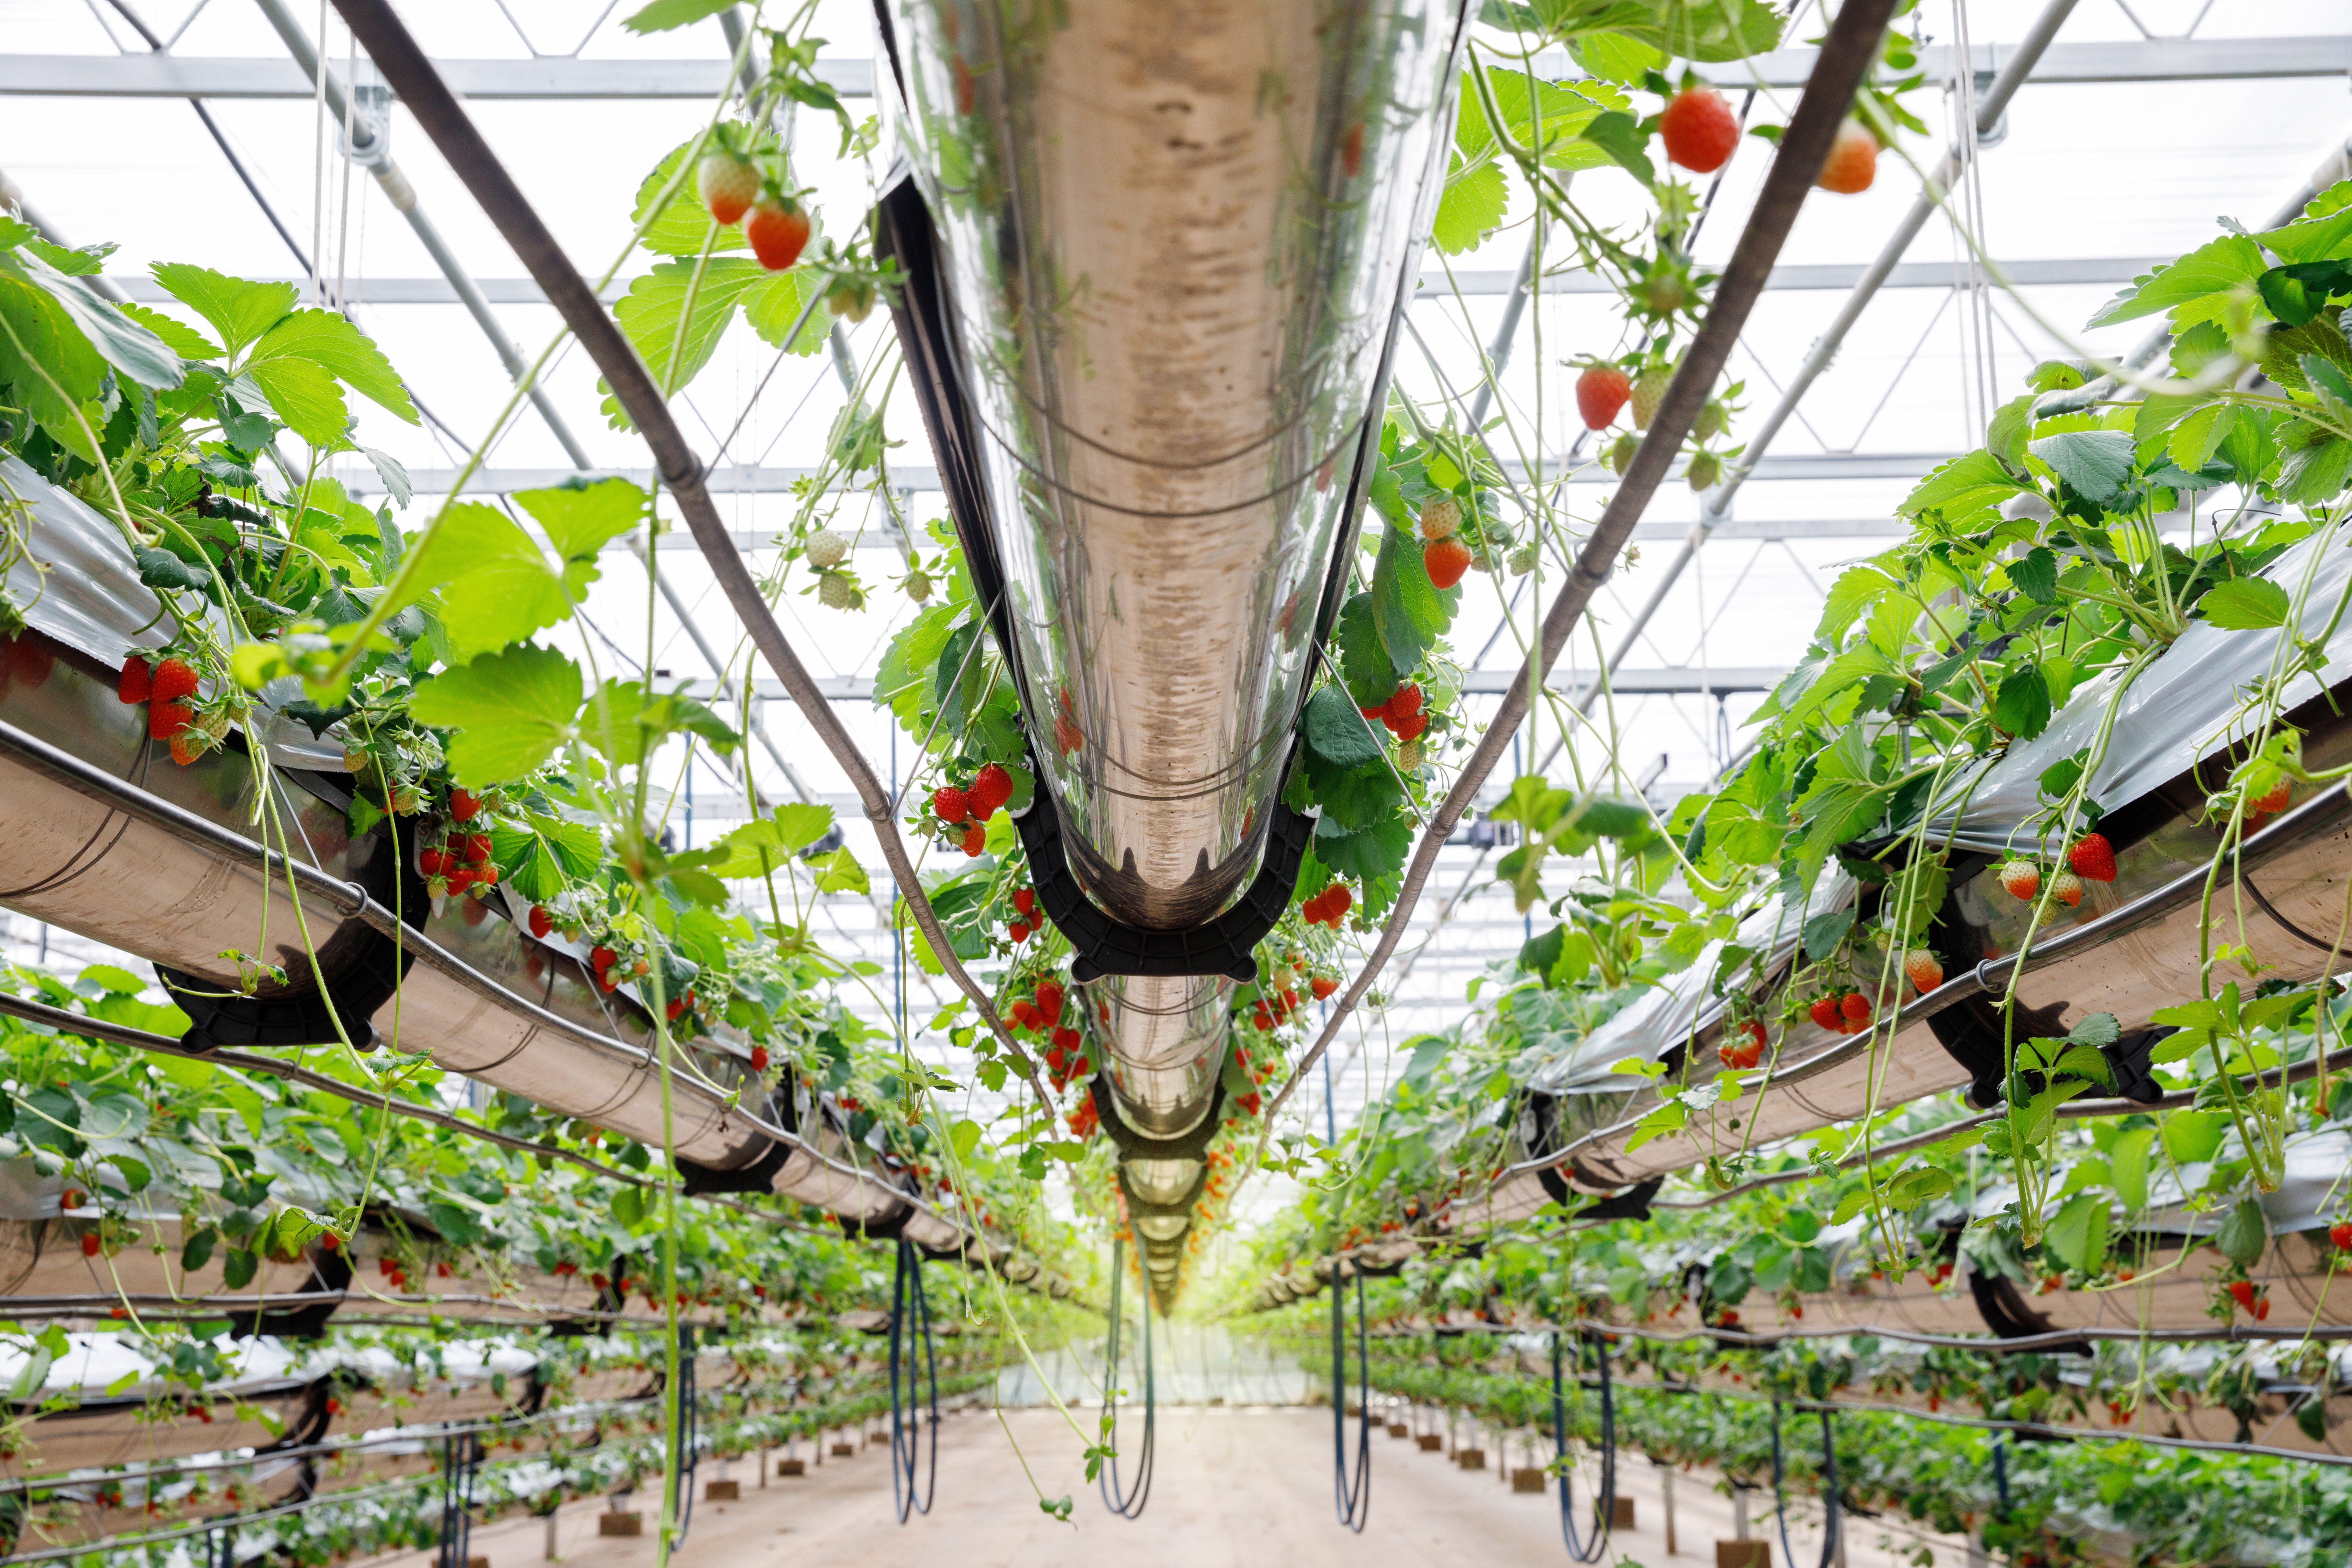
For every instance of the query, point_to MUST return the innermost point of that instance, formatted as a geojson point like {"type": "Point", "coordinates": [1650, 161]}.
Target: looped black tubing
{"type": "Point", "coordinates": [1604, 1499]}
{"type": "Point", "coordinates": [911, 1334]}
{"type": "Point", "coordinates": [1120, 1500]}
{"type": "Point", "coordinates": [686, 1441]}
{"type": "Point", "coordinates": [1833, 1516]}
{"type": "Point", "coordinates": [1352, 1497]}
{"type": "Point", "coordinates": [462, 1458]}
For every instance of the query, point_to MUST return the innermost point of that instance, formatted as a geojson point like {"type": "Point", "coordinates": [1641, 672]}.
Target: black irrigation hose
{"type": "Point", "coordinates": [1352, 1497]}
{"type": "Point", "coordinates": [684, 1439]}
{"type": "Point", "coordinates": [1125, 1502]}
{"type": "Point", "coordinates": [910, 1342]}
{"type": "Point", "coordinates": [1604, 1499]}
{"type": "Point", "coordinates": [1833, 1515]}
{"type": "Point", "coordinates": [461, 1459]}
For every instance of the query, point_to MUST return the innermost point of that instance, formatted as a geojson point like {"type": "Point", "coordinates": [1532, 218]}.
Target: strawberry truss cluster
{"type": "Point", "coordinates": [960, 813]}
{"type": "Point", "coordinates": [170, 686]}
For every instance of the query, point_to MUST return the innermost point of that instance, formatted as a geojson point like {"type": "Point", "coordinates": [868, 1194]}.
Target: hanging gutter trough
{"type": "Point", "coordinates": [1156, 258]}
{"type": "Point", "coordinates": [108, 839]}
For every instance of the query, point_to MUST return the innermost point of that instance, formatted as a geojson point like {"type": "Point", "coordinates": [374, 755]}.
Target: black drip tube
{"type": "Point", "coordinates": [1126, 1501]}
{"type": "Point", "coordinates": [913, 1358]}
{"type": "Point", "coordinates": [1352, 1496]}
{"type": "Point", "coordinates": [1604, 1498]}
{"type": "Point", "coordinates": [1833, 1515]}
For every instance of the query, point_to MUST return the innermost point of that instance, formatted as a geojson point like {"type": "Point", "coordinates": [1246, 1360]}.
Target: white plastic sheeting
{"type": "Point", "coordinates": [77, 583]}
{"type": "Point", "coordinates": [2183, 707]}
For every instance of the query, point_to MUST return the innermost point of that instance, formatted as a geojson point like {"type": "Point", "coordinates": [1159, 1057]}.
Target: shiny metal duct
{"type": "Point", "coordinates": [1174, 239]}
{"type": "Point", "coordinates": [1171, 245]}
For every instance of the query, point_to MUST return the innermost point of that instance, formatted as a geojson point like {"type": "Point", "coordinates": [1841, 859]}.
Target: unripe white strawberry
{"type": "Point", "coordinates": [826, 549]}
{"type": "Point", "coordinates": [1440, 516]}
{"type": "Point", "coordinates": [1649, 391]}
{"type": "Point", "coordinates": [834, 591]}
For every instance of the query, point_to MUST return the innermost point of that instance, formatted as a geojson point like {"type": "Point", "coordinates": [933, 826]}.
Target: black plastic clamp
{"type": "Point", "coordinates": [1225, 946]}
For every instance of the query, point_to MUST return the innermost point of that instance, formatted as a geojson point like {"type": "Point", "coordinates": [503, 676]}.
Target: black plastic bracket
{"type": "Point", "coordinates": [362, 965]}
{"type": "Point", "coordinates": [330, 1271]}
{"type": "Point", "coordinates": [759, 1176]}
{"type": "Point", "coordinates": [1181, 1209]}
{"type": "Point", "coordinates": [1225, 946]}
{"type": "Point", "coordinates": [1633, 1203]}
{"type": "Point", "coordinates": [1134, 1145]}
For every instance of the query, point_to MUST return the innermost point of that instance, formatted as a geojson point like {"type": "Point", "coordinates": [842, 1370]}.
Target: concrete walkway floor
{"type": "Point", "coordinates": [1235, 1488]}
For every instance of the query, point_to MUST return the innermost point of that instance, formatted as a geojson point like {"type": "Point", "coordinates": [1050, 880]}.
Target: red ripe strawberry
{"type": "Point", "coordinates": [175, 682]}
{"type": "Point", "coordinates": [601, 958]}
{"type": "Point", "coordinates": [1020, 1012]}
{"type": "Point", "coordinates": [1825, 1012]}
{"type": "Point", "coordinates": [90, 1243]}
{"type": "Point", "coordinates": [1446, 560]}
{"type": "Point", "coordinates": [758, 1059]}
{"type": "Point", "coordinates": [1407, 701]}
{"type": "Point", "coordinates": [1925, 971]}
{"type": "Point", "coordinates": [1853, 162]}
{"type": "Point", "coordinates": [434, 862]}
{"type": "Point", "coordinates": [1854, 1007]}
{"type": "Point", "coordinates": [2262, 1309]}
{"type": "Point", "coordinates": [990, 788]}
{"type": "Point", "coordinates": [2021, 878]}
{"type": "Point", "coordinates": [949, 804]}
{"type": "Point", "coordinates": [1410, 727]}
{"type": "Point", "coordinates": [166, 720]}
{"type": "Point", "coordinates": [1757, 1035]}
{"type": "Point", "coordinates": [138, 681]}
{"type": "Point", "coordinates": [1699, 129]}
{"type": "Point", "coordinates": [1336, 899]}
{"type": "Point", "coordinates": [728, 185]}
{"type": "Point", "coordinates": [462, 878]}
{"type": "Point", "coordinates": [1600, 394]}
{"type": "Point", "coordinates": [2093, 857]}
{"type": "Point", "coordinates": [2272, 804]}
{"type": "Point", "coordinates": [475, 847]}
{"type": "Point", "coordinates": [2068, 888]}
{"type": "Point", "coordinates": [541, 922]}
{"type": "Point", "coordinates": [1323, 986]}
{"type": "Point", "coordinates": [2340, 1233]}
{"type": "Point", "coordinates": [677, 1004]}
{"type": "Point", "coordinates": [1067, 1041]}
{"type": "Point", "coordinates": [465, 805]}
{"type": "Point", "coordinates": [975, 839]}
{"type": "Point", "coordinates": [1025, 900]}
{"type": "Point", "coordinates": [1352, 150]}
{"type": "Point", "coordinates": [2243, 1291]}
{"type": "Point", "coordinates": [1049, 1000]}
{"type": "Point", "coordinates": [1020, 932]}
{"type": "Point", "coordinates": [777, 233]}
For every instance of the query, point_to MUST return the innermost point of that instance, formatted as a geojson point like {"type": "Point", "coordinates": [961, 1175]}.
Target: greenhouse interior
{"type": "Point", "coordinates": [610, 959]}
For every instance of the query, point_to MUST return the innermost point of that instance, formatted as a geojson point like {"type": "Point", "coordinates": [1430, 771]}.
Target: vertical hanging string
{"type": "Point", "coordinates": [685, 1441]}
{"type": "Point", "coordinates": [350, 126]}
{"type": "Point", "coordinates": [319, 170]}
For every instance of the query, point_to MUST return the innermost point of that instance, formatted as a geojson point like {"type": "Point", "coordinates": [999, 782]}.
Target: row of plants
{"type": "Point", "coordinates": [2060, 1502]}
{"type": "Point", "coordinates": [2044, 575]}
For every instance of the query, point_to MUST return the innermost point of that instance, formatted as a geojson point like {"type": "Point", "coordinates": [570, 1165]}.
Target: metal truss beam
{"type": "Point", "coordinates": [2097, 271]}
{"type": "Point", "coordinates": [747, 479]}
{"type": "Point", "coordinates": [1661, 682]}
{"type": "Point", "coordinates": [193, 76]}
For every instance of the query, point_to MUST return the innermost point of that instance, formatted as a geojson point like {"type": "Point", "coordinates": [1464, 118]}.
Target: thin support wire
{"type": "Point", "coordinates": [1123, 1500]}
